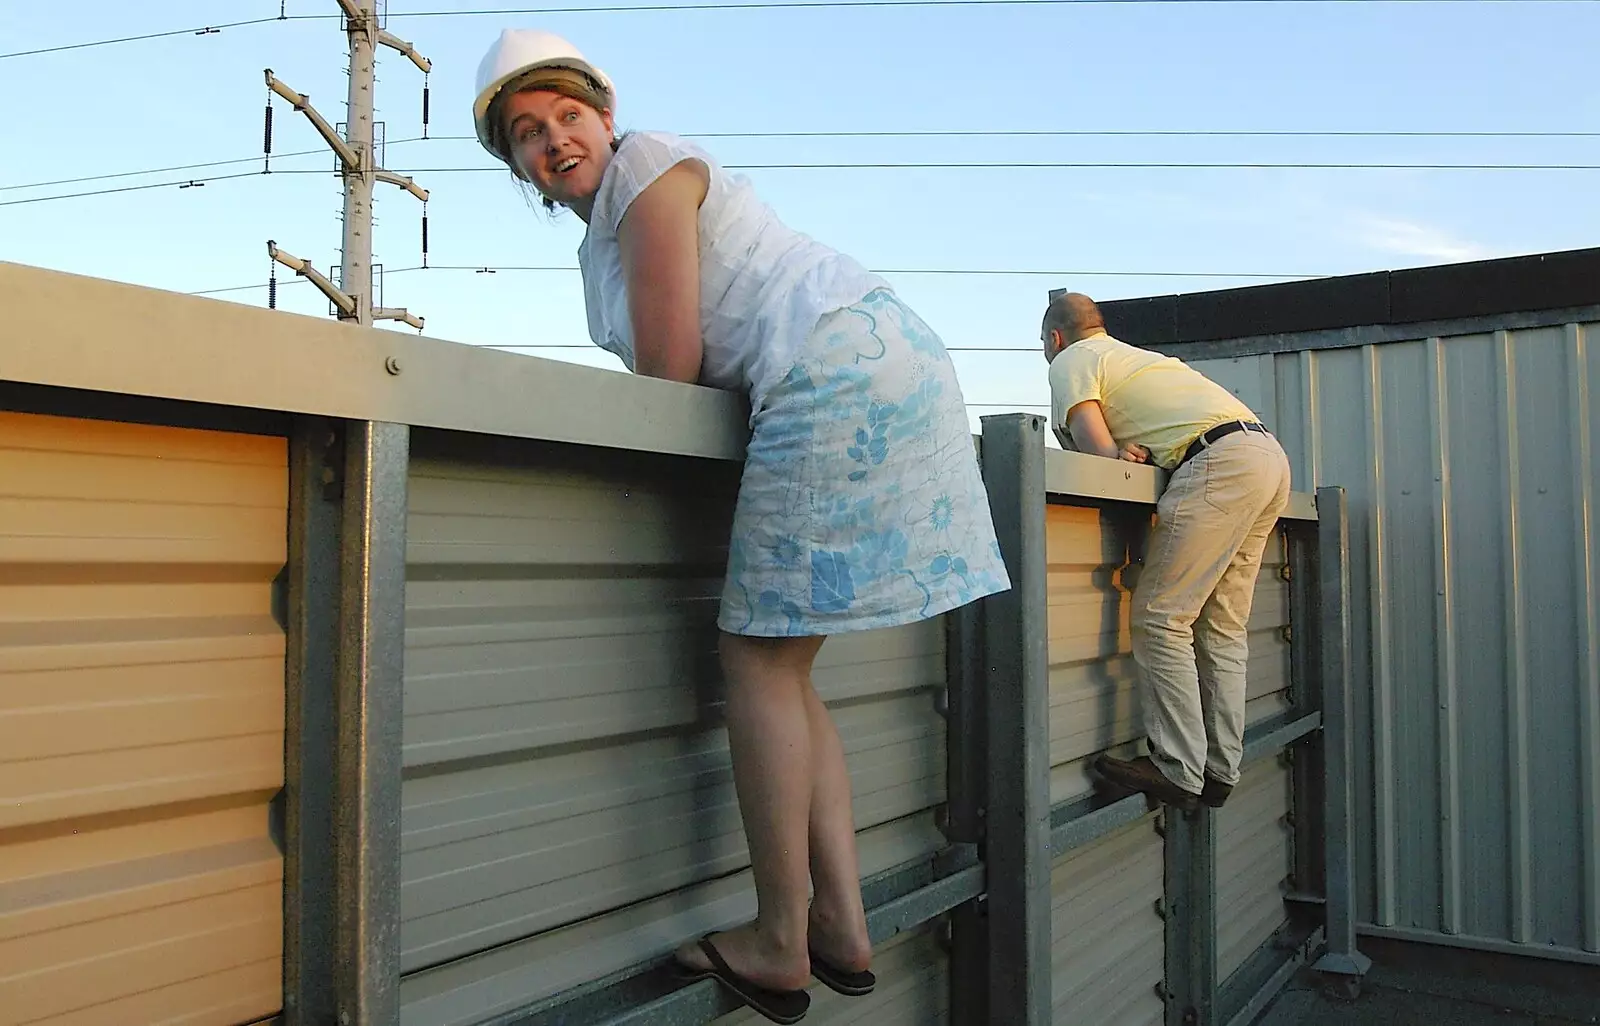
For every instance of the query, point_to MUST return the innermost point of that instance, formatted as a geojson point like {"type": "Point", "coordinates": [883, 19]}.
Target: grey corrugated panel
{"type": "Point", "coordinates": [517, 974]}
{"type": "Point", "coordinates": [562, 752]}
{"type": "Point", "coordinates": [1108, 947]}
{"type": "Point", "coordinates": [1469, 461]}
{"type": "Point", "coordinates": [913, 989]}
{"type": "Point", "coordinates": [1254, 859]}
{"type": "Point", "coordinates": [141, 723]}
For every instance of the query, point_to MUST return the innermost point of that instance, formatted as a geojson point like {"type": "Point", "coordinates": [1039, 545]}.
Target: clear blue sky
{"type": "Point", "coordinates": [1524, 65]}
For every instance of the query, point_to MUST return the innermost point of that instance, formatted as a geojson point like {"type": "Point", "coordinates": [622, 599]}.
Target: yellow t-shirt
{"type": "Point", "coordinates": [1155, 401]}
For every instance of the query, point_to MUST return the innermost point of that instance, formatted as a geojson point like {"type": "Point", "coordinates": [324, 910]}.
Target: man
{"type": "Point", "coordinates": [1229, 482]}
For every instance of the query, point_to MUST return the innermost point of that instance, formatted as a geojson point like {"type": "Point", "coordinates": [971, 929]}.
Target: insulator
{"type": "Point", "coordinates": [424, 106]}
{"type": "Point", "coordinates": [266, 141]}
{"type": "Point", "coordinates": [424, 236]}
{"type": "Point", "coordinates": [272, 290]}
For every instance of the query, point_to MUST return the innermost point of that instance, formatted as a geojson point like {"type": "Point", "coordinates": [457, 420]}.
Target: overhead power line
{"type": "Point", "coordinates": [1041, 133]}
{"type": "Point", "coordinates": [752, 5]}
{"type": "Point", "coordinates": [1188, 165]}
{"type": "Point", "coordinates": [907, 271]}
{"type": "Point", "coordinates": [182, 184]}
{"type": "Point", "coordinates": [880, 166]}
{"type": "Point", "coordinates": [168, 170]}
{"type": "Point", "coordinates": [202, 30]}
{"type": "Point", "coordinates": [767, 5]}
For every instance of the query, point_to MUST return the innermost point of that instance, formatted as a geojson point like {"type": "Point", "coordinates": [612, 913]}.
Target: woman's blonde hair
{"type": "Point", "coordinates": [574, 85]}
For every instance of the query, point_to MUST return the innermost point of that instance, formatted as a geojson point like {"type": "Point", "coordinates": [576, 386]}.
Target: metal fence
{"type": "Point", "coordinates": [1469, 450]}
{"type": "Point", "coordinates": [504, 793]}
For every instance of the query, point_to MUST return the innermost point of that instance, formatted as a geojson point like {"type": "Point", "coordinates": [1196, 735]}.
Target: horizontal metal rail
{"type": "Point", "coordinates": [1082, 821]}
{"type": "Point", "coordinates": [1268, 738]}
{"type": "Point", "coordinates": [1254, 985]}
{"type": "Point", "coordinates": [649, 995]}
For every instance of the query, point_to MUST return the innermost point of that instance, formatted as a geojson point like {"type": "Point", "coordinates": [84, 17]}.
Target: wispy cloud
{"type": "Point", "coordinates": [1411, 238]}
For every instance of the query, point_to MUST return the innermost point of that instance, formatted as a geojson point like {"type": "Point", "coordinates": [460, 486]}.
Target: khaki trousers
{"type": "Point", "coordinates": [1192, 603]}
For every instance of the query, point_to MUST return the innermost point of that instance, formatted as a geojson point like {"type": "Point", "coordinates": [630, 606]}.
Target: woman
{"type": "Point", "coordinates": [860, 506]}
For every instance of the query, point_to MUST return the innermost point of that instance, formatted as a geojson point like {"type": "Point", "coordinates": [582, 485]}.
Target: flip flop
{"type": "Point", "coordinates": [842, 981]}
{"type": "Point", "coordinates": [781, 1006]}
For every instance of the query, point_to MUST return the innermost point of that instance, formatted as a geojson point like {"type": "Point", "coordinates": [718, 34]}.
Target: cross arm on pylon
{"type": "Point", "coordinates": [396, 43]}
{"type": "Point", "coordinates": [303, 268]}
{"type": "Point", "coordinates": [354, 13]}
{"type": "Point", "coordinates": [302, 103]}
{"type": "Point", "coordinates": [403, 182]}
{"type": "Point", "coordinates": [397, 313]}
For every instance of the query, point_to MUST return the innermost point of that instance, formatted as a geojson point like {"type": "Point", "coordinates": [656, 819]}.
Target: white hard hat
{"type": "Point", "coordinates": [518, 51]}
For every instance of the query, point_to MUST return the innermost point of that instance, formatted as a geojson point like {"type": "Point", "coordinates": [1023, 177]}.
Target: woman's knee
{"type": "Point", "coordinates": [749, 658]}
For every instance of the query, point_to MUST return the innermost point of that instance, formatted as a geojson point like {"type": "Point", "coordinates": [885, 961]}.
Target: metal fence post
{"type": "Point", "coordinates": [965, 808]}
{"type": "Point", "coordinates": [371, 662]}
{"type": "Point", "coordinates": [1342, 960]}
{"type": "Point", "coordinates": [1017, 831]}
{"type": "Point", "coordinates": [1190, 907]}
{"type": "Point", "coordinates": [311, 735]}
{"type": "Point", "coordinates": [1307, 801]}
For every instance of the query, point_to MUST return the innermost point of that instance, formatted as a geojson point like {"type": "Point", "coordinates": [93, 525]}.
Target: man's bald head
{"type": "Point", "coordinates": [1069, 317]}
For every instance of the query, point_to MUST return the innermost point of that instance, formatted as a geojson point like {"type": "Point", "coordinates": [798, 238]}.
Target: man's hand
{"type": "Point", "coordinates": [1135, 454]}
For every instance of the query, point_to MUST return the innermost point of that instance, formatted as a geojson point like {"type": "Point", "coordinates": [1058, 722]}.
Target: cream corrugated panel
{"type": "Point", "coordinates": [1093, 696]}
{"type": "Point", "coordinates": [562, 752]}
{"type": "Point", "coordinates": [1267, 678]}
{"type": "Point", "coordinates": [1093, 705]}
{"type": "Point", "coordinates": [1254, 859]}
{"type": "Point", "coordinates": [141, 723]}
{"type": "Point", "coordinates": [1108, 945]}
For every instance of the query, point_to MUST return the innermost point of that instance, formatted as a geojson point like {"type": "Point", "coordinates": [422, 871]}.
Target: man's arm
{"type": "Point", "coordinates": [1087, 420]}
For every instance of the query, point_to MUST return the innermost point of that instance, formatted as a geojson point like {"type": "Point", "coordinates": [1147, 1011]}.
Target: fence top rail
{"type": "Point", "coordinates": [1079, 477]}
{"type": "Point", "coordinates": [71, 331]}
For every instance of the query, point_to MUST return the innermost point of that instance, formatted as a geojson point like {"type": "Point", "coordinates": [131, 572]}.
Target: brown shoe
{"type": "Point", "coordinates": [1141, 775]}
{"type": "Point", "coordinates": [1216, 793]}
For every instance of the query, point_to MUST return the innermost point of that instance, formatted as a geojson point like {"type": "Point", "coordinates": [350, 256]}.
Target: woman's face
{"type": "Point", "coordinates": [560, 144]}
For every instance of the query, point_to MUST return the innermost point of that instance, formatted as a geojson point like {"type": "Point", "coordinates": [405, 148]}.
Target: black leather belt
{"type": "Point", "coordinates": [1217, 433]}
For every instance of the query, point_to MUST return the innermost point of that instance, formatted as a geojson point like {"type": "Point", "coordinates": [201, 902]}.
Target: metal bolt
{"type": "Point", "coordinates": [1161, 908]}
{"type": "Point", "coordinates": [344, 1018]}
{"type": "Point", "coordinates": [1288, 633]}
{"type": "Point", "coordinates": [392, 365]}
{"type": "Point", "coordinates": [941, 702]}
{"type": "Point", "coordinates": [1285, 572]}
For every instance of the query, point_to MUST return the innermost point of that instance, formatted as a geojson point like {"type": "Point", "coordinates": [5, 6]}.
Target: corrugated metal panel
{"type": "Point", "coordinates": [1267, 680]}
{"type": "Point", "coordinates": [1093, 695]}
{"type": "Point", "coordinates": [1470, 465]}
{"type": "Point", "coordinates": [1254, 859]}
{"type": "Point", "coordinates": [514, 975]}
{"type": "Point", "coordinates": [141, 723]}
{"type": "Point", "coordinates": [1108, 943]}
{"type": "Point", "coordinates": [563, 755]}
{"type": "Point", "coordinates": [913, 989]}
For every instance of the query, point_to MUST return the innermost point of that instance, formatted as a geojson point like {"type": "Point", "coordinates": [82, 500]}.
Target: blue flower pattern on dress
{"type": "Point", "coordinates": [861, 505]}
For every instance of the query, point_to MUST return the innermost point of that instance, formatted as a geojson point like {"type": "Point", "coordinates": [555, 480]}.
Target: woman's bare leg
{"type": "Point", "coordinates": [770, 736]}
{"type": "Point", "coordinates": [838, 924]}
